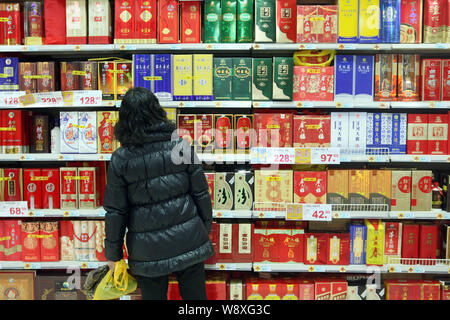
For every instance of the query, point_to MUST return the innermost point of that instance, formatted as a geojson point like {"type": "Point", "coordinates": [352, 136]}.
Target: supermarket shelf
{"type": "Point", "coordinates": [421, 46]}
{"type": "Point", "coordinates": [429, 215]}
{"type": "Point", "coordinates": [360, 215]}
{"type": "Point", "coordinates": [237, 214]}
{"type": "Point", "coordinates": [54, 157]}
{"type": "Point", "coordinates": [259, 214]}
{"type": "Point", "coordinates": [67, 48]}
{"type": "Point", "coordinates": [19, 265]}
{"type": "Point", "coordinates": [184, 46]}
{"type": "Point", "coordinates": [319, 46]}
{"type": "Point", "coordinates": [319, 104]}
{"type": "Point", "coordinates": [420, 158]}
{"type": "Point", "coordinates": [363, 158]}
{"type": "Point", "coordinates": [229, 266]}
{"type": "Point", "coordinates": [300, 267]}
{"type": "Point", "coordinates": [420, 105]}
{"type": "Point", "coordinates": [201, 104]}
{"type": "Point", "coordinates": [224, 158]}
{"type": "Point", "coordinates": [81, 213]}
{"type": "Point", "coordinates": [104, 104]}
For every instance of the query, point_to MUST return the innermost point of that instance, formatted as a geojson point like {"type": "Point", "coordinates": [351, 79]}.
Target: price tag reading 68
{"type": "Point", "coordinates": [13, 209]}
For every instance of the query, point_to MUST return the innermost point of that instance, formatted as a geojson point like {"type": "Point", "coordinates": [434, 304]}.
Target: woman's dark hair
{"type": "Point", "coordinates": [139, 112]}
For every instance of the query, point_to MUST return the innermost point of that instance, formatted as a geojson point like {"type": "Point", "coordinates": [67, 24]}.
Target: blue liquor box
{"type": "Point", "coordinates": [344, 77]}
{"type": "Point", "coordinates": [364, 78]}
{"type": "Point", "coordinates": [9, 68]}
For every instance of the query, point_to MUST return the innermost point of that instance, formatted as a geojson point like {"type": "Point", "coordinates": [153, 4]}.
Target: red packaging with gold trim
{"type": "Point", "coordinates": [50, 189]}
{"type": "Point", "coordinates": [242, 242]}
{"type": "Point", "coordinates": [437, 133]}
{"type": "Point", "coordinates": [190, 22]}
{"type": "Point", "coordinates": [210, 179]}
{"type": "Point", "coordinates": [315, 248]}
{"type": "Point", "coordinates": [289, 289]}
{"type": "Point", "coordinates": [330, 24]}
{"type": "Point", "coordinates": [273, 129]}
{"type": "Point", "coordinates": [431, 79]}
{"type": "Point", "coordinates": [410, 242]}
{"type": "Point", "coordinates": [69, 81]}
{"type": "Point", "coordinates": [403, 289]}
{"type": "Point", "coordinates": [416, 142]}
{"type": "Point", "coordinates": [14, 141]}
{"type": "Point", "coordinates": [26, 84]}
{"type": "Point", "coordinates": [243, 125]}
{"type": "Point", "coordinates": [13, 243]}
{"type": "Point", "coordinates": [224, 253]}
{"type": "Point", "coordinates": [428, 245]}
{"type": "Point", "coordinates": [13, 28]}
{"type": "Point", "coordinates": [338, 249]}
{"type": "Point", "coordinates": [2, 241]}
{"type": "Point", "coordinates": [186, 127]}
{"type": "Point", "coordinates": [339, 290]}
{"type": "Point", "coordinates": [124, 21]}
{"type": "Point", "coordinates": [310, 187]}
{"type": "Point", "coordinates": [168, 21]}
{"type": "Point", "coordinates": [290, 246]}
{"type": "Point", "coordinates": [265, 245]}
{"type": "Point", "coordinates": [13, 187]}
{"type": "Point", "coordinates": [223, 125]}
{"type": "Point", "coordinates": [435, 16]}
{"type": "Point", "coordinates": [32, 179]}
{"type": "Point", "coordinates": [204, 133]}
{"type": "Point", "coordinates": [322, 289]}
{"type": "Point", "coordinates": [312, 131]}
{"type": "Point", "coordinates": [69, 191]}
{"type": "Point", "coordinates": [31, 242]}
{"type": "Point", "coordinates": [431, 290]}
{"type": "Point", "coordinates": [100, 235]}
{"type": "Point", "coordinates": [66, 240]}
{"type": "Point", "coordinates": [49, 231]}
{"type": "Point", "coordinates": [146, 21]}
{"type": "Point", "coordinates": [87, 188]}
{"type": "Point", "coordinates": [286, 21]}
{"type": "Point", "coordinates": [446, 77]}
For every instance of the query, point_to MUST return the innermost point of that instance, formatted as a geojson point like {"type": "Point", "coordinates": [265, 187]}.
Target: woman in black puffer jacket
{"type": "Point", "coordinates": [156, 189]}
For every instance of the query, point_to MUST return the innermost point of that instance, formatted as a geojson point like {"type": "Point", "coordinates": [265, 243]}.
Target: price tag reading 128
{"type": "Point", "coordinates": [87, 98]}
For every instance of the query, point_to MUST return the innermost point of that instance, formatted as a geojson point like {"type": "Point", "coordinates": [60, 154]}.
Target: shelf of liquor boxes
{"type": "Point", "coordinates": [54, 157]}
{"type": "Point", "coordinates": [420, 266]}
{"type": "Point", "coordinates": [110, 48]}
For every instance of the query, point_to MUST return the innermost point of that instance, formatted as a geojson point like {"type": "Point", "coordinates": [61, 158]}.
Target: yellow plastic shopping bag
{"type": "Point", "coordinates": [113, 286]}
{"type": "Point", "coordinates": [314, 58]}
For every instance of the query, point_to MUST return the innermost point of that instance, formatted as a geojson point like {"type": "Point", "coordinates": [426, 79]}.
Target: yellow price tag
{"type": "Point", "coordinates": [152, 78]}
{"type": "Point", "coordinates": [311, 269]}
{"type": "Point", "coordinates": [27, 99]}
{"type": "Point", "coordinates": [27, 266]}
{"type": "Point", "coordinates": [221, 267]}
{"type": "Point", "coordinates": [302, 155]}
{"type": "Point", "coordinates": [78, 73]}
{"type": "Point", "coordinates": [66, 214]}
{"type": "Point", "coordinates": [343, 269]}
{"type": "Point", "coordinates": [294, 212]}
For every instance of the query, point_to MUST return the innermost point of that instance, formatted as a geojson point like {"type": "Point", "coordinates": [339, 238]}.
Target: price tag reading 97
{"type": "Point", "coordinates": [325, 155]}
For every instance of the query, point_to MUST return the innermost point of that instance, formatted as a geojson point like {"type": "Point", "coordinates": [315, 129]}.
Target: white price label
{"type": "Point", "coordinates": [281, 156]}
{"type": "Point", "coordinates": [262, 268]}
{"type": "Point", "coordinates": [87, 98]}
{"type": "Point", "coordinates": [325, 155]}
{"type": "Point", "coordinates": [13, 209]}
{"type": "Point", "coordinates": [317, 212]}
{"type": "Point", "coordinates": [1, 266]}
{"type": "Point", "coordinates": [49, 98]}
{"type": "Point", "coordinates": [419, 270]}
{"type": "Point", "coordinates": [101, 213]}
{"type": "Point", "coordinates": [92, 265]}
{"type": "Point", "coordinates": [32, 266]}
{"type": "Point", "coordinates": [10, 98]}
{"type": "Point", "coordinates": [125, 297]}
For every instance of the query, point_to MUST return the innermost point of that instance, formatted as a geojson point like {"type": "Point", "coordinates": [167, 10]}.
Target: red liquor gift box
{"type": "Point", "coordinates": [403, 289]}
{"type": "Point", "coordinates": [305, 20]}
{"type": "Point", "coordinates": [431, 79]}
{"type": "Point", "coordinates": [411, 21]}
{"type": "Point", "coordinates": [428, 245]}
{"type": "Point", "coordinates": [312, 131]}
{"type": "Point", "coordinates": [12, 231]}
{"type": "Point", "coordinates": [210, 179]}
{"type": "Point", "coordinates": [257, 289]}
{"type": "Point", "coordinates": [186, 127]}
{"type": "Point", "coordinates": [445, 290]}
{"type": "Point", "coordinates": [204, 132]}
{"type": "Point", "coordinates": [330, 24]}
{"type": "Point", "coordinates": [213, 236]}
{"type": "Point", "coordinates": [87, 186]}
{"type": "Point", "coordinates": [310, 187]}
{"type": "Point", "coordinates": [291, 246]}
{"type": "Point", "coordinates": [66, 240]}
{"type": "Point", "coordinates": [446, 76]}
{"type": "Point", "coordinates": [315, 248]}
{"type": "Point", "coordinates": [53, 11]}
{"type": "Point", "coordinates": [434, 21]}
{"type": "Point", "coordinates": [190, 21]}
{"type": "Point", "coordinates": [338, 249]}
{"type": "Point", "coordinates": [313, 83]}
{"type": "Point", "coordinates": [32, 180]}
{"type": "Point", "coordinates": [289, 289]}
{"type": "Point", "coordinates": [31, 242]}
{"type": "Point", "coordinates": [14, 135]}
{"type": "Point", "coordinates": [146, 21]}
{"type": "Point", "coordinates": [286, 21]}
{"type": "Point", "coordinates": [410, 243]}
{"type": "Point", "coordinates": [168, 21]}
{"type": "Point", "coordinates": [431, 290]}
{"type": "Point", "coordinates": [273, 129]}
{"type": "Point", "coordinates": [3, 239]}
{"type": "Point", "coordinates": [50, 189]}
{"type": "Point", "coordinates": [49, 233]}
{"type": "Point", "coordinates": [323, 289]}
{"type": "Point", "coordinates": [224, 253]}
{"type": "Point", "coordinates": [245, 135]}
{"type": "Point", "coordinates": [242, 242]}
{"type": "Point", "coordinates": [306, 290]}
{"type": "Point", "coordinates": [265, 245]}
{"type": "Point", "coordinates": [100, 235]}
{"type": "Point", "coordinates": [224, 137]}
{"type": "Point", "coordinates": [339, 290]}
{"type": "Point", "coordinates": [12, 28]}
{"type": "Point", "coordinates": [216, 289]}
{"type": "Point", "coordinates": [68, 187]}
{"type": "Point", "coordinates": [437, 133]}
{"type": "Point", "coordinates": [124, 21]}
{"type": "Point", "coordinates": [12, 185]}
{"type": "Point", "coordinates": [417, 134]}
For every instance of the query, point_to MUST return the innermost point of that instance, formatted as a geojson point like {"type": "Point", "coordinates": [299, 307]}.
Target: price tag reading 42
{"type": "Point", "coordinates": [308, 212]}
{"type": "Point", "coordinates": [325, 155]}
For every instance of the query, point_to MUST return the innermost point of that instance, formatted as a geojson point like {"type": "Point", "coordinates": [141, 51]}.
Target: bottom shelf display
{"type": "Point", "coordinates": [30, 285]}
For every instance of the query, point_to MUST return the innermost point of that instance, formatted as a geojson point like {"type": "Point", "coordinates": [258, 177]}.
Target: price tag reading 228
{"type": "Point", "coordinates": [281, 155]}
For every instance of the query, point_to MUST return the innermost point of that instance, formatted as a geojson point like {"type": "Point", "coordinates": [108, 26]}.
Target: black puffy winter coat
{"type": "Point", "coordinates": [165, 206]}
